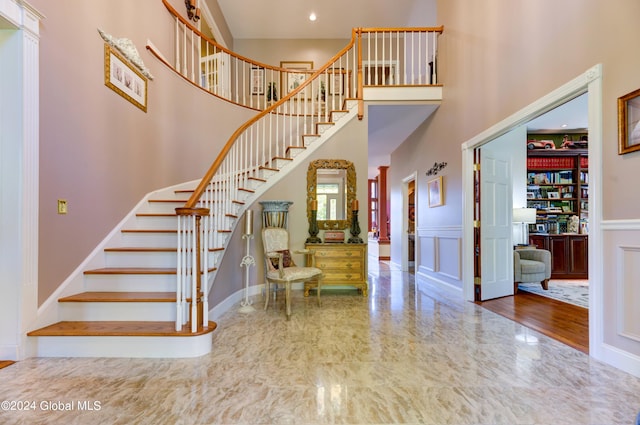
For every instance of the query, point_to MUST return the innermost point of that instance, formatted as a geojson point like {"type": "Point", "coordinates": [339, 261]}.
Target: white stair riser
{"type": "Point", "coordinates": [161, 207]}
{"type": "Point", "coordinates": [160, 223]}
{"type": "Point", "coordinates": [295, 152]}
{"type": "Point", "coordinates": [118, 311]}
{"type": "Point", "coordinates": [280, 163]}
{"type": "Point", "coordinates": [324, 127]}
{"type": "Point", "coordinates": [134, 239]}
{"type": "Point", "coordinates": [265, 174]}
{"type": "Point", "coordinates": [309, 140]}
{"type": "Point", "coordinates": [141, 259]}
{"type": "Point", "coordinates": [254, 184]}
{"type": "Point", "coordinates": [130, 283]}
{"type": "Point", "coordinates": [124, 346]}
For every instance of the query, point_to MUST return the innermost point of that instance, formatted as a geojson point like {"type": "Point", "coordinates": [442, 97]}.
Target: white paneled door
{"type": "Point", "coordinates": [496, 241]}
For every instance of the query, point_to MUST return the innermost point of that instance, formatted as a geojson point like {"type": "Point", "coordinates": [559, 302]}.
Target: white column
{"type": "Point", "coordinates": [19, 173]}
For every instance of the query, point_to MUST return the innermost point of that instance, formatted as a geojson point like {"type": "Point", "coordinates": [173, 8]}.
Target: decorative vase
{"type": "Point", "coordinates": [355, 229]}
{"type": "Point", "coordinates": [313, 229]}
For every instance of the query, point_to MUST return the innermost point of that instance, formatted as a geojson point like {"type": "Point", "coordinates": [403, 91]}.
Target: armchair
{"type": "Point", "coordinates": [531, 265]}
{"type": "Point", "coordinates": [280, 268]}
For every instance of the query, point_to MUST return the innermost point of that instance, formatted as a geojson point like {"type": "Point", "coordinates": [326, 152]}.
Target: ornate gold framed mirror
{"type": "Point", "coordinates": [332, 184]}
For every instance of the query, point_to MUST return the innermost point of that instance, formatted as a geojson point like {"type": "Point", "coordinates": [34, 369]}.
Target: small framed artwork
{"type": "Point", "coordinates": [553, 195]}
{"type": "Point", "coordinates": [540, 228]}
{"type": "Point", "coordinates": [531, 195]}
{"type": "Point", "coordinates": [566, 208]}
{"type": "Point", "coordinates": [298, 72]}
{"type": "Point", "coordinates": [567, 195]}
{"type": "Point", "coordinates": [435, 192]}
{"type": "Point", "coordinates": [629, 122]}
{"type": "Point", "coordinates": [123, 78]}
{"type": "Point", "coordinates": [257, 81]}
{"type": "Point", "coordinates": [336, 81]}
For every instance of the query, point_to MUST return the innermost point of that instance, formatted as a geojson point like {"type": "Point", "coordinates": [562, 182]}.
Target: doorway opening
{"type": "Point", "coordinates": [589, 82]}
{"type": "Point", "coordinates": [409, 222]}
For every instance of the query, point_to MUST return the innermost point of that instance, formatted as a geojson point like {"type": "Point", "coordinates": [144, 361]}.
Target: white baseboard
{"type": "Point", "coordinates": [9, 352]}
{"type": "Point", "coordinates": [617, 358]}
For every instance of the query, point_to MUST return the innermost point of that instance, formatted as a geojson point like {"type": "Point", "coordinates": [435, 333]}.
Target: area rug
{"type": "Point", "coordinates": [574, 292]}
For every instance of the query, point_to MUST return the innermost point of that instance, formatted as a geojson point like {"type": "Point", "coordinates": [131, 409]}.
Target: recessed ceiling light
{"type": "Point", "coordinates": [564, 126]}
{"type": "Point", "coordinates": [312, 17]}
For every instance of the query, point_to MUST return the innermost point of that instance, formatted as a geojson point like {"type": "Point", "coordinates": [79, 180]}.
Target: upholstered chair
{"type": "Point", "coordinates": [531, 265]}
{"type": "Point", "coordinates": [280, 267]}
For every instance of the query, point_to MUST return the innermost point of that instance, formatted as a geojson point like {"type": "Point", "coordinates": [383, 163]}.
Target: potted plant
{"type": "Point", "coordinates": [272, 92]}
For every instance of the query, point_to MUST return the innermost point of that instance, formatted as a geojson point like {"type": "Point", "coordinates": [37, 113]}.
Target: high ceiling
{"type": "Point", "coordinates": [289, 19]}
{"type": "Point", "coordinates": [263, 19]}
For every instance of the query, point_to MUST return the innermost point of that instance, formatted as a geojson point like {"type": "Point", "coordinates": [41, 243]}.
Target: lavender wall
{"type": "Point", "coordinates": [98, 151]}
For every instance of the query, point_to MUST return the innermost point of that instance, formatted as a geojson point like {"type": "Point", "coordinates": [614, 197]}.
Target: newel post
{"type": "Point", "coordinates": [197, 312]}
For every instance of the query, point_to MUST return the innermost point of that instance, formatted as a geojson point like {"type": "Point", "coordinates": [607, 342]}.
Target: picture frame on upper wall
{"type": "Point", "coordinates": [296, 74]}
{"type": "Point", "coordinates": [435, 192]}
{"type": "Point", "coordinates": [123, 78]}
{"type": "Point", "coordinates": [336, 81]}
{"type": "Point", "coordinates": [629, 122]}
{"type": "Point", "coordinates": [257, 81]}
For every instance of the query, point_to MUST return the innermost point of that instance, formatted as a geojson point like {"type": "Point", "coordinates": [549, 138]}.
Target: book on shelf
{"type": "Point", "coordinates": [556, 177]}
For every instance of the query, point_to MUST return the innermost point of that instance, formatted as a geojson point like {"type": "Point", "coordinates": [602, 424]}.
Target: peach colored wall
{"type": "Point", "coordinates": [498, 56]}
{"type": "Point", "coordinates": [98, 151]}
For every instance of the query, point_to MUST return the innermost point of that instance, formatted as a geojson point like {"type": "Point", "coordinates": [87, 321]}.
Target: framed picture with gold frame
{"type": "Point", "coordinates": [298, 72]}
{"type": "Point", "coordinates": [629, 122]}
{"type": "Point", "coordinates": [123, 78]}
{"type": "Point", "coordinates": [435, 192]}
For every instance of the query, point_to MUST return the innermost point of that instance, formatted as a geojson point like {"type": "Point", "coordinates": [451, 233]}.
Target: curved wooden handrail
{"type": "Point", "coordinates": [405, 29]}
{"type": "Point", "coordinates": [216, 164]}
{"type": "Point", "coordinates": [213, 42]}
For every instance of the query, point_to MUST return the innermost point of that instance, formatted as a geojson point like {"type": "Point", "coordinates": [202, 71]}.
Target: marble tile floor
{"type": "Point", "coordinates": [409, 353]}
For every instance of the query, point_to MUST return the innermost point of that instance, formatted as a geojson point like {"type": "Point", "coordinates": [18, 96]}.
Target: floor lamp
{"type": "Point", "coordinates": [524, 217]}
{"type": "Point", "coordinates": [247, 261]}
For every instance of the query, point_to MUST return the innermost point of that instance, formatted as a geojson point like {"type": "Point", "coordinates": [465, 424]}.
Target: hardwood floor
{"type": "Point", "coordinates": [564, 322]}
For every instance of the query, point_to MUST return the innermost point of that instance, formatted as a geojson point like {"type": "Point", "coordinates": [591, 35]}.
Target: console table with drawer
{"type": "Point", "coordinates": [343, 264]}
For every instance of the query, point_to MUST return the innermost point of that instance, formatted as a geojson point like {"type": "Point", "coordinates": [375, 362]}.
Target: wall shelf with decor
{"type": "Point", "coordinates": [558, 187]}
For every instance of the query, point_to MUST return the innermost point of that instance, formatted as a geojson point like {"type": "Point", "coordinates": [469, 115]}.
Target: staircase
{"type": "Point", "coordinates": [144, 292]}
{"type": "Point", "coordinates": [127, 307]}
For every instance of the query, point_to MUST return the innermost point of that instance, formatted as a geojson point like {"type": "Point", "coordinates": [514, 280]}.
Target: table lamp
{"type": "Point", "coordinates": [524, 217]}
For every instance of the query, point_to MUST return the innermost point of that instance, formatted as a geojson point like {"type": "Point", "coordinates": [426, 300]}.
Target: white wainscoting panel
{"type": "Point", "coordinates": [629, 292]}
{"type": "Point", "coordinates": [450, 265]}
{"type": "Point", "coordinates": [427, 253]}
{"type": "Point", "coordinates": [440, 254]}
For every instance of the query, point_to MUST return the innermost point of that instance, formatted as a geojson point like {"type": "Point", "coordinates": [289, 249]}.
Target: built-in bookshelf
{"type": "Point", "coordinates": [558, 187]}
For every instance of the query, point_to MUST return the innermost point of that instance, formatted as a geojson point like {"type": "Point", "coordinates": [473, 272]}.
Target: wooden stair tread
{"type": "Point", "coordinates": [150, 249]}
{"type": "Point", "coordinates": [135, 270]}
{"type": "Point", "coordinates": [121, 297]}
{"type": "Point", "coordinates": [156, 215]}
{"type": "Point", "coordinates": [115, 328]}
{"type": "Point", "coordinates": [5, 363]}
{"type": "Point", "coordinates": [131, 270]}
{"type": "Point", "coordinates": [149, 231]}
